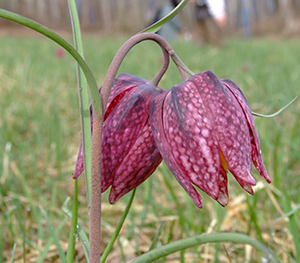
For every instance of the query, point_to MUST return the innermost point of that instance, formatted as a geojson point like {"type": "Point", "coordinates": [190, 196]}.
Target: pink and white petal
{"type": "Point", "coordinates": [255, 143]}
{"type": "Point", "coordinates": [79, 167]}
{"type": "Point", "coordinates": [258, 162]}
{"type": "Point", "coordinates": [122, 128]}
{"type": "Point", "coordinates": [190, 133]}
{"type": "Point", "coordinates": [141, 161]}
{"type": "Point", "coordinates": [247, 187]}
{"type": "Point", "coordinates": [121, 85]}
{"type": "Point", "coordinates": [165, 149]}
{"type": "Point", "coordinates": [230, 126]}
{"type": "Point", "coordinates": [245, 106]}
{"type": "Point", "coordinates": [223, 191]}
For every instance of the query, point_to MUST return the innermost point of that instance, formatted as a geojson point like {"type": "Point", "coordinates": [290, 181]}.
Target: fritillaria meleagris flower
{"type": "Point", "coordinates": [203, 128]}
{"type": "Point", "coordinates": [129, 154]}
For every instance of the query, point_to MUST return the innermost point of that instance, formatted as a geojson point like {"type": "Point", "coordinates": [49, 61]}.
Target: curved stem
{"type": "Point", "coordinates": [154, 82]}
{"type": "Point", "coordinates": [114, 66]}
{"type": "Point", "coordinates": [203, 239]}
{"type": "Point", "coordinates": [180, 65]}
{"type": "Point", "coordinates": [277, 112]}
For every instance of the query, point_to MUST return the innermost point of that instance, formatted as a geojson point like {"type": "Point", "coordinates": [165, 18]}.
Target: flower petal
{"type": "Point", "coordinates": [121, 86]}
{"type": "Point", "coordinates": [126, 134]}
{"type": "Point", "coordinates": [255, 144]}
{"type": "Point", "coordinates": [230, 126]}
{"type": "Point", "coordinates": [223, 191]}
{"type": "Point", "coordinates": [157, 116]}
{"type": "Point", "coordinates": [141, 161]}
{"type": "Point", "coordinates": [122, 129]}
{"type": "Point", "coordinates": [79, 167]}
{"type": "Point", "coordinates": [190, 133]}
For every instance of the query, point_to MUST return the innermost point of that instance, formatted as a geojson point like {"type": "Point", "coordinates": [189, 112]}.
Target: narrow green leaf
{"type": "Point", "coordinates": [13, 253]}
{"type": "Point", "coordinates": [277, 112]}
{"type": "Point", "coordinates": [204, 239]}
{"type": "Point", "coordinates": [54, 236]}
{"type": "Point", "coordinates": [292, 224]}
{"type": "Point", "coordinates": [82, 235]}
{"type": "Point", "coordinates": [83, 101]}
{"type": "Point", "coordinates": [50, 241]}
{"type": "Point", "coordinates": [272, 232]}
{"type": "Point", "coordinates": [118, 229]}
{"type": "Point", "coordinates": [159, 24]}
{"type": "Point", "coordinates": [73, 232]}
{"type": "Point", "coordinates": [157, 236]}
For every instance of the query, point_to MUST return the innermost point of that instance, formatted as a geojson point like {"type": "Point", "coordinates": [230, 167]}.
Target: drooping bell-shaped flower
{"type": "Point", "coordinates": [203, 128]}
{"type": "Point", "coordinates": [129, 154]}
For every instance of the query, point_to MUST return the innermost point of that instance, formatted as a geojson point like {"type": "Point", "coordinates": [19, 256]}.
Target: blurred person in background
{"type": "Point", "coordinates": [210, 16]}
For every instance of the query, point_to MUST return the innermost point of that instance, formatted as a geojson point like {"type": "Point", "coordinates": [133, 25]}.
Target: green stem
{"type": "Point", "coordinates": [95, 212]}
{"type": "Point", "coordinates": [118, 229]}
{"type": "Point", "coordinates": [82, 236]}
{"type": "Point", "coordinates": [203, 239]}
{"type": "Point", "coordinates": [277, 112]}
{"type": "Point", "coordinates": [73, 231]}
{"type": "Point", "coordinates": [159, 24]}
{"type": "Point", "coordinates": [93, 180]}
{"type": "Point", "coordinates": [83, 101]}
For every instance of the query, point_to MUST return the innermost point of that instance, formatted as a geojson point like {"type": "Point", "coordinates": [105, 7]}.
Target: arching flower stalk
{"type": "Point", "coordinates": [202, 128]}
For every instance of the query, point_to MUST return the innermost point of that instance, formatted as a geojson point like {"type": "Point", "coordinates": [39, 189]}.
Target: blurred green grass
{"type": "Point", "coordinates": [40, 133]}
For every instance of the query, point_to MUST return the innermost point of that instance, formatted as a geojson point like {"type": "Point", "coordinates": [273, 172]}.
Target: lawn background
{"type": "Point", "coordinates": [40, 135]}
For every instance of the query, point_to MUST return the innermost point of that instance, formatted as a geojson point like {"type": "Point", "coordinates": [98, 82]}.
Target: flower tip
{"type": "Point", "coordinates": [199, 205]}
{"type": "Point", "coordinates": [113, 196]}
{"type": "Point", "coordinates": [222, 199]}
{"type": "Point", "coordinates": [250, 179]}
{"type": "Point", "coordinates": [248, 189]}
{"type": "Point", "coordinates": [267, 178]}
{"type": "Point", "coordinates": [79, 168]}
{"type": "Point", "coordinates": [76, 174]}
{"type": "Point", "coordinates": [197, 200]}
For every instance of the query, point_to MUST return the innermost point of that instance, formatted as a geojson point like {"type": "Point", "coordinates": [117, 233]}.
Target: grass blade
{"type": "Point", "coordinates": [54, 236]}
{"type": "Point", "coordinates": [50, 241]}
{"type": "Point", "coordinates": [83, 101]}
{"type": "Point", "coordinates": [277, 112]}
{"type": "Point", "coordinates": [118, 229]}
{"type": "Point", "coordinates": [13, 253]}
{"type": "Point", "coordinates": [82, 236]}
{"type": "Point", "coordinates": [63, 43]}
{"type": "Point", "coordinates": [292, 224]}
{"type": "Point", "coordinates": [272, 232]}
{"type": "Point", "coordinates": [73, 232]}
{"type": "Point", "coordinates": [159, 24]}
{"type": "Point", "coordinates": [157, 236]}
{"type": "Point", "coordinates": [204, 239]}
